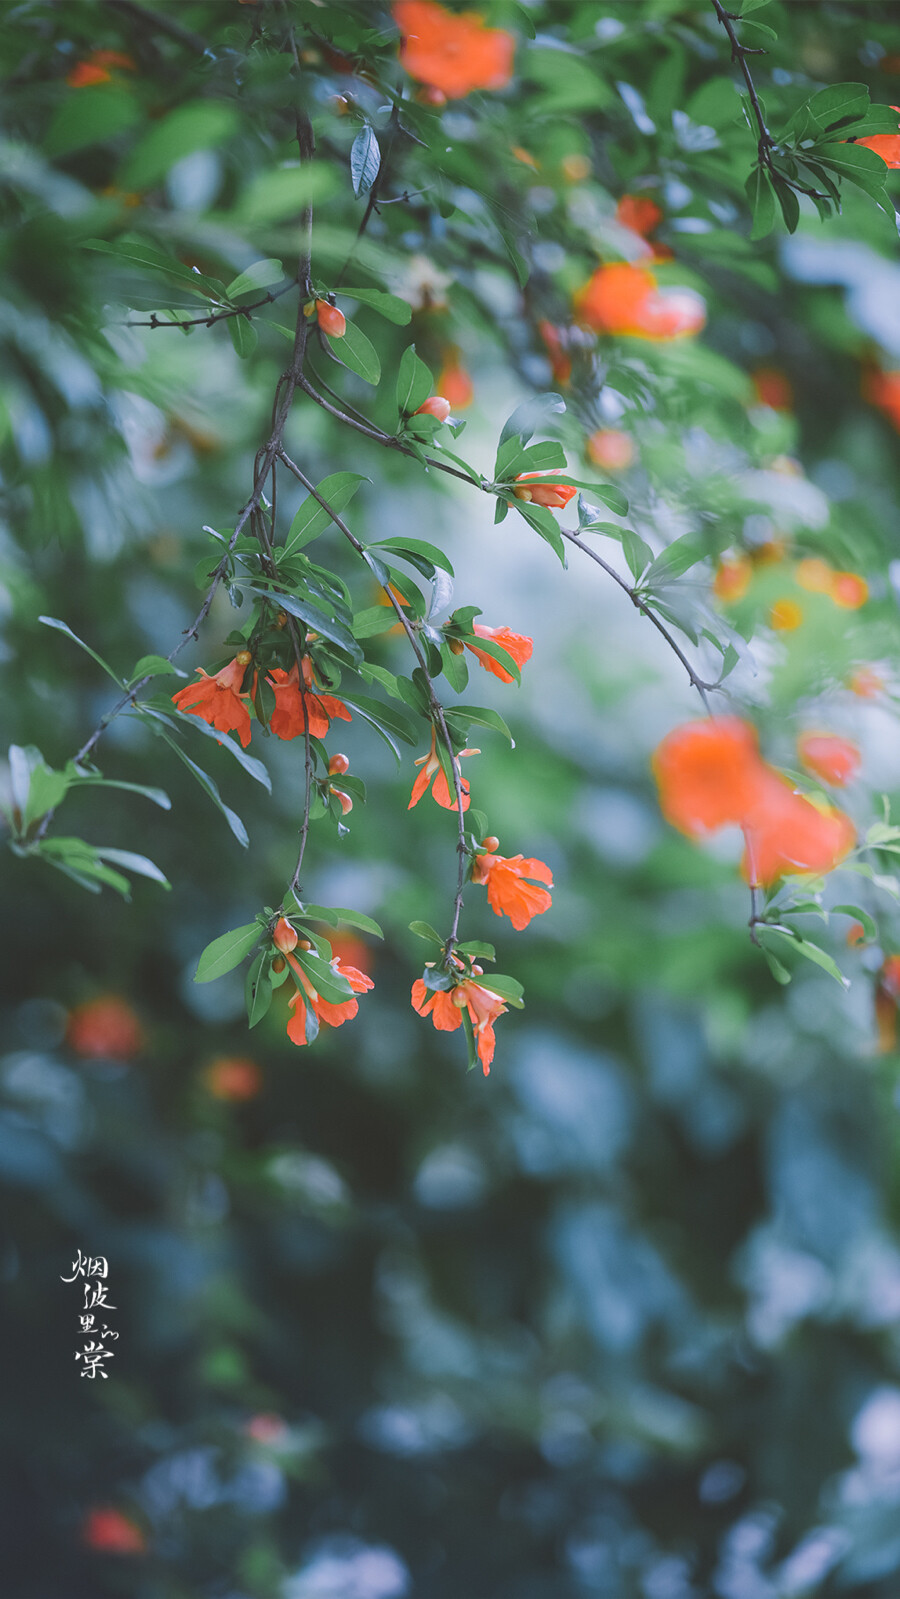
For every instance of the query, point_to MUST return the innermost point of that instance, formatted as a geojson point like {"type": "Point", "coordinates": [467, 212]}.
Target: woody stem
{"type": "Point", "coordinates": [436, 708]}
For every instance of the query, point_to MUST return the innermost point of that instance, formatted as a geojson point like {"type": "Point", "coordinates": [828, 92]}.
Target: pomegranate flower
{"type": "Point", "coordinates": [786, 833]}
{"type": "Point", "coordinates": [516, 644]}
{"type": "Point", "coordinates": [835, 760]}
{"type": "Point", "coordinates": [110, 1532]}
{"type": "Point", "coordinates": [621, 298]}
{"type": "Point", "coordinates": [436, 405]}
{"type": "Point", "coordinates": [534, 486]}
{"type": "Point", "coordinates": [445, 1007]}
{"type": "Point", "coordinates": [509, 889]}
{"type": "Point", "coordinates": [432, 768]}
{"type": "Point", "coordinates": [218, 700]}
{"type": "Point", "coordinates": [293, 704]}
{"type": "Point", "coordinates": [332, 1013]}
{"type": "Point", "coordinates": [887, 145]}
{"type": "Point", "coordinates": [454, 53]}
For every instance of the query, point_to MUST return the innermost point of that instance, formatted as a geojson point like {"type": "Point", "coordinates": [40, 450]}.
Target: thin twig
{"type": "Point", "coordinates": [437, 709]}
{"type": "Point", "coordinates": [765, 143]}
{"type": "Point", "coordinates": [155, 22]}
{"type": "Point", "coordinates": [217, 316]}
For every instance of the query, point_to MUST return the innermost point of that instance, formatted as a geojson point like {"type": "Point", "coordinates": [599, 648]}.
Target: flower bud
{"type": "Point", "coordinates": [477, 971]}
{"type": "Point", "coordinates": [491, 844]}
{"type": "Point", "coordinates": [346, 802]}
{"type": "Point", "coordinates": [278, 965]}
{"type": "Point", "coordinates": [243, 657]}
{"type": "Point", "coordinates": [338, 765]}
{"type": "Point", "coordinates": [331, 320]}
{"type": "Point", "coordinates": [435, 406]}
{"type": "Point", "coordinates": [304, 943]}
{"type": "Point", "coordinates": [284, 936]}
{"type": "Point", "coordinates": [522, 494]}
{"type": "Point", "coordinates": [281, 619]}
{"type": "Point", "coordinates": [456, 646]}
{"type": "Point", "coordinates": [459, 998]}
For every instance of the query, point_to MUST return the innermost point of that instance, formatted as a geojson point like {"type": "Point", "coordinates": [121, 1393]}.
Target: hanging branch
{"type": "Point", "coordinates": [765, 144]}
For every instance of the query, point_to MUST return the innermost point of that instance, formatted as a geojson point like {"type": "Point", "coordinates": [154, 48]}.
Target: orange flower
{"type": "Point", "coordinates": [540, 490]}
{"type": "Point", "coordinates": [814, 575]}
{"type": "Point", "coordinates": [560, 360]}
{"type": "Point", "coordinates": [515, 644]}
{"type": "Point", "coordinates": [786, 833]}
{"type": "Point", "coordinates": [233, 1077]}
{"type": "Point", "coordinates": [331, 1013]}
{"type": "Point", "coordinates": [292, 705]}
{"type": "Point", "coordinates": [432, 768]}
{"type": "Point", "coordinates": [625, 299]}
{"type": "Point", "coordinates": [708, 774]}
{"type": "Point", "coordinates": [785, 616]}
{"type": "Point", "coordinates": [509, 891]}
{"type": "Point", "coordinates": [883, 390]}
{"type": "Point", "coordinates": [732, 579]}
{"type": "Point", "coordinates": [95, 68]}
{"type": "Point", "coordinates": [351, 951]}
{"type": "Point", "coordinates": [849, 590]}
{"type": "Point", "coordinates": [772, 388]}
{"type": "Point", "coordinates": [610, 450]}
{"type": "Point", "coordinates": [445, 1009]}
{"type": "Point", "coordinates": [106, 1529]}
{"type": "Point", "coordinates": [865, 682]}
{"type": "Point", "coordinates": [453, 52]}
{"type": "Point", "coordinates": [331, 320]}
{"type": "Point", "coordinates": [887, 145]}
{"type": "Point", "coordinates": [104, 1029]}
{"type": "Point", "coordinates": [835, 760]}
{"type": "Point", "coordinates": [454, 382]}
{"type": "Point", "coordinates": [639, 213]}
{"type": "Point", "coordinates": [890, 976]}
{"type": "Point", "coordinates": [218, 700]}
{"type": "Point", "coordinates": [856, 934]}
{"type": "Point", "coordinates": [436, 405]}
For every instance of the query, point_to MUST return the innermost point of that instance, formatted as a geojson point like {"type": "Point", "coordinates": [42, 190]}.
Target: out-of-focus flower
{"type": "Point", "coordinates": [887, 994]}
{"type": "Point", "coordinates": [732, 579]}
{"type": "Point", "coordinates": [105, 1029]}
{"type": "Point", "coordinates": [110, 1532]}
{"type": "Point", "coordinates": [865, 682]}
{"type": "Point", "coordinates": [424, 287]}
{"type": "Point", "coordinates": [639, 213]}
{"type": "Point", "coordinates": [882, 389]}
{"type": "Point", "coordinates": [525, 156]}
{"type": "Point", "coordinates": [218, 700]}
{"type": "Point", "coordinates": [267, 1428]}
{"type": "Point", "coordinates": [541, 490]}
{"type": "Point", "coordinates": [431, 768]}
{"type": "Point", "coordinates": [560, 360]}
{"type": "Point", "coordinates": [454, 382]}
{"type": "Point", "coordinates": [445, 1009]}
{"type": "Point", "coordinates": [785, 616]}
{"type": "Point", "coordinates": [453, 52]}
{"type": "Point", "coordinates": [814, 575]}
{"type": "Point", "coordinates": [625, 299]}
{"type": "Point", "coordinates": [856, 934]}
{"type": "Point", "coordinates": [849, 590]}
{"type": "Point", "coordinates": [707, 774]}
{"type": "Point", "coordinates": [835, 760]}
{"type": "Point", "coordinates": [293, 707]}
{"type": "Point", "coordinates": [98, 67]}
{"type": "Point", "coordinates": [575, 167]}
{"type": "Point", "coordinates": [786, 833]}
{"type": "Point", "coordinates": [516, 644]}
{"type": "Point", "coordinates": [233, 1077]}
{"type": "Point", "coordinates": [611, 450]}
{"type": "Point", "coordinates": [772, 388]}
{"type": "Point", "coordinates": [351, 951]}
{"type": "Point", "coordinates": [887, 145]}
{"type": "Point", "coordinates": [510, 891]}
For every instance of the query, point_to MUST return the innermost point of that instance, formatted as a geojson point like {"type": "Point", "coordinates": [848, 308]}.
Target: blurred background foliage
{"type": "Point", "coordinates": [621, 1320]}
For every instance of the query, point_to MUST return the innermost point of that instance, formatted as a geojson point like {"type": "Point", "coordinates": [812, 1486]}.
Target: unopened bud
{"type": "Point", "coordinates": [456, 646]}
{"type": "Point", "coordinates": [459, 998]}
{"type": "Point", "coordinates": [281, 619]}
{"type": "Point", "coordinates": [346, 802]}
{"type": "Point", "coordinates": [338, 765]}
{"type": "Point", "coordinates": [331, 320]}
{"type": "Point", "coordinates": [478, 971]}
{"type": "Point", "coordinates": [491, 844]}
{"type": "Point", "coordinates": [284, 936]}
{"type": "Point", "coordinates": [243, 657]}
{"type": "Point", "coordinates": [278, 964]}
{"type": "Point", "coordinates": [522, 494]}
{"type": "Point", "coordinates": [435, 406]}
{"type": "Point", "coordinates": [304, 943]}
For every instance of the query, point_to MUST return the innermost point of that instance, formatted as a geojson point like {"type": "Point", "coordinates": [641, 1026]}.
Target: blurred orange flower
{"type": "Point", "coordinates": [849, 590]}
{"type": "Point", "coordinates": [787, 833]}
{"type": "Point", "coordinates": [233, 1077]}
{"type": "Point", "coordinates": [865, 682]}
{"type": "Point", "coordinates": [772, 388]}
{"type": "Point", "coordinates": [106, 1529]}
{"type": "Point", "coordinates": [626, 299]}
{"type": "Point", "coordinates": [707, 774]}
{"type": "Point", "coordinates": [610, 449]}
{"type": "Point", "coordinates": [732, 579]}
{"type": "Point", "coordinates": [785, 616]}
{"type": "Point", "coordinates": [454, 52]}
{"type": "Point", "coordinates": [639, 213]}
{"type": "Point", "coordinates": [835, 760]}
{"type": "Point", "coordinates": [454, 382]}
{"type": "Point", "coordinates": [96, 68]}
{"type": "Point", "coordinates": [104, 1029]}
{"type": "Point", "coordinates": [560, 360]}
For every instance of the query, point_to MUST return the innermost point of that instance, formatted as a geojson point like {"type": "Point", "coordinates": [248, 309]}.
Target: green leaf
{"type": "Point", "coordinates": [386, 720]}
{"type": "Point", "coordinates": [209, 787]}
{"type": "Point", "coordinates": [477, 950]}
{"type": "Point", "coordinates": [45, 792]}
{"type": "Point", "coordinates": [127, 859]}
{"type": "Point", "coordinates": [63, 627]}
{"type": "Point", "coordinates": [414, 382]}
{"type": "Point", "coordinates": [478, 716]}
{"type": "Point", "coordinates": [85, 779]}
{"type": "Point", "coordinates": [172, 717]}
{"type": "Point", "coordinates": [387, 305]}
{"type": "Point", "coordinates": [539, 518]}
{"type": "Point", "coordinates": [261, 275]}
{"type": "Point", "coordinates": [376, 619]}
{"type": "Point", "coordinates": [867, 922]}
{"type": "Point", "coordinates": [507, 988]}
{"type": "Point", "coordinates": [761, 195]}
{"type": "Point", "coordinates": [80, 861]}
{"type": "Point", "coordinates": [811, 952]}
{"type": "Point", "coordinates": [199, 125]}
{"type": "Point", "coordinates": [838, 100]}
{"type": "Point", "coordinates": [335, 914]}
{"type": "Point", "coordinates": [257, 987]}
{"type": "Point", "coordinates": [226, 952]}
{"type": "Point", "coordinates": [676, 559]}
{"type": "Point", "coordinates": [153, 666]}
{"type": "Point", "coordinates": [243, 335]}
{"type": "Point", "coordinates": [312, 616]}
{"type": "Point", "coordinates": [854, 163]}
{"type": "Point", "coordinates": [488, 646]}
{"type": "Point", "coordinates": [790, 205]}
{"type": "Point", "coordinates": [133, 252]}
{"type": "Point", "coordinates": [325, 980]}
{"type": "Point", "coordinates": [605, 492]}
{"type": "Point", "coordinates": [365, 160]}
{"type": "Point", "coordinates": [358, 353]}
{"type": "Point", "coordinates": [312, 519]}
{"type": "Point", "coordinates": [90, 116]}
{"type": "Point", "coordinates": [454, 668]}
{"type": "Point", "coordinates": [531, 415]}
{"type": "Point", "coordinates": [471, 1047]}
{"type": "Point", "coordinates": [426, 931]}
{"type": "Point", "coordinates": [415, 547]}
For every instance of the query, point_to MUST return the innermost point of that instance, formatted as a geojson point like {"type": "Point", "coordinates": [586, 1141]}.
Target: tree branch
{"type": "Point", "coordinates": [217, 316]}
{"type": "Point", "coordinates": [765, 143]}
